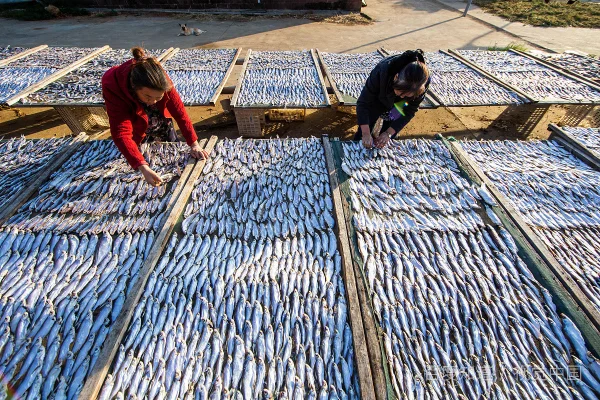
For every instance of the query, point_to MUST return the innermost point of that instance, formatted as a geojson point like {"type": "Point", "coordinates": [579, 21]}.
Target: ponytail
{"type": "Point", "coordinates": [147, 72]}
{"type": "Point", "coordinates": [413, 77]}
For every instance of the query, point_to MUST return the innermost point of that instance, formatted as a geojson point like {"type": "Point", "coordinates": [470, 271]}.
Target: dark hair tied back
{"type": "Point", "coordinates": [413, 77]}
{"type": "Point", "coordinates": [147, 72]}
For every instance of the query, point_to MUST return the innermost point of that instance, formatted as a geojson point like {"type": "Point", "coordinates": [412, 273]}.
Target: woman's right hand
{"type": "Point", "coordinates": [150, 176]}
{"type": "Point", "coordinates": [367, 139]}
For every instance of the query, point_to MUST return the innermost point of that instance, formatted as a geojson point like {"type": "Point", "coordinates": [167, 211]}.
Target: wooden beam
{"type": "Point", "coordinates": [323, 87]}
{"type": "Point", "coordinates": [96, 377]}
{"type": "Point", "coordinates": [578, 297]}
{"type": "Point", "coordinates": [23, 196]}
{"type": "Point", "coordinates": [361, 353]}
{"type": "Point", "coordinates": [22, 54]}
{"type": "Point", "coordinates": [59, 74]}
{"type": "Point", "coordinates": [166, 54]}
{"type": "Point", "coordinates": [587, 155]}
{"type": "Point", "coordinates": [238, 87]}
{"type": "Point", "coordinates": [337, 93]}
{"type": "Point", "coordinates": [219, 89]}
{"type": "Point", "coordinates": [482, 71]}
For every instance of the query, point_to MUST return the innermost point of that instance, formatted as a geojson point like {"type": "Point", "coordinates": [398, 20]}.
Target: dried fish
{"type": "Point", "coordinates": [14, 80]}
{"type": "Point", "coordinates": [10, 51]}
{"type": "Point", "coordinates": [590, 137]}
{"type": "Point", "coordinates": [350, 71]}
{"type": "Point", "coordinates": [281, 79]}
{"type": "Point", "coordinates": [53, 57]}
{"type": "Point", "coordinates": [250, 301]}
{"type": "Point", "coordinates": [587, 67]}
{"type": "Point", "coordinates": [531, 77]}
{"type": "Point", "coordinates": [460, 313]}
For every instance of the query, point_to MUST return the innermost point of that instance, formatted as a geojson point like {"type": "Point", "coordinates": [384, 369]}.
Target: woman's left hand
{"type": "Point", "coordinates": [197, 151]}
{"type": "Point", "coordinates": [382, 140]}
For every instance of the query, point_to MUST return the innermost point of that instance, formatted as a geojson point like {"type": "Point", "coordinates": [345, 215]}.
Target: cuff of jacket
{"type": "Point", "coordinates": [193, 138]}
{"type": "Point", "coordinates": [136, 164]}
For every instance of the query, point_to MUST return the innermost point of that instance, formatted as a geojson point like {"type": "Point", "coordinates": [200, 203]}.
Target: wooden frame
{"type": "Point", "coordinates": [238, 87]}
{"type": "Point", "coordinates": [166, 54]}
{"type": "Point", "coordinates": [323, 87]}
{"type": "Point", "coordinates": [52, 165]}
{"type": "Point", "coordinates": [59, 74]}
{"type": "Point", "coordinates": [571, 297]}
{"type": "Point", "coordinates": [96, 376]}
{"type": "Point", "coordinates": [365, 377]}
{"type": "Point", "coordinates": [586, 154]}
{"type": "Point", "coordinates": [22, 54]}
{"type": "Point", "coordinates": [332, 82]}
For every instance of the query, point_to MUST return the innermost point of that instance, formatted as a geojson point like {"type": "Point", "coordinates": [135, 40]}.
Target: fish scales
{"type": "Point", "coordinates": [460, 313]}
{"type": "Point", "coordinates": [556, 194]}
{"type": "Point", "coordinates": [63, 285]}
{"type": "Point", "coordinates": [265, 300]}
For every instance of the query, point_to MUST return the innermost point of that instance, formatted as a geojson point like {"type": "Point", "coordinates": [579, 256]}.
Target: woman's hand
{"type": "Point", "coordinates": [151, 177]}
{"type": "Point", "coordinates": [367, 139]}
{"type": "Point", "coordinates": [382, 140]}
{"type": "Point", "coordinates": [197, 151]}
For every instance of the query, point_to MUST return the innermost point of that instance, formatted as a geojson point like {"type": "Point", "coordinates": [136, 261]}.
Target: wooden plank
{"type": "Point", "coordinates": [477, 68]}
{"type": "Point", "coordinates": [384, 53]}
{"type": "Point", "coordinates": [23, 196]}
{"type": "Point", "coordinates": [238, 87]}
{"type": "Point", "coordinates": [215, 97]}
{"type": "Point", "coordinates": [568, 73]}
{"type": "Point", "coordinates": [22, 54]}
{"type": "Point", "coordinates": [166, 54]}
{"type": "Point", "coordinates": [92, 386]}
{"type": "Point", "coordinates": [540, 248]}
{"type": "Point", "coordinates": [323, 87]}
{"type": "Point", "coordinates": [589, 156]}
{"type": "Point", "coordinates": [337, 93]}
{"type": "Point", "coordinates": [59, 74]}
{"type": "Point", "coordinates": [361, 353]}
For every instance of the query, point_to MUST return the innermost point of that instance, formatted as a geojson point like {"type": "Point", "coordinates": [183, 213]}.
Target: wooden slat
{"type": "Point", "coordinates": [92, 386]}
{"type": "Point", "coordinates": [238, 87]}
{"type": "Point", "coordinates": [22, 54]}
{"type": "Point", "coordinates": [59, 74]}
{"type": "Point", "coordinates": [593, 316]}
{"type": "Point", "coordinates": [337, 93]}
{"type": "Point", "coordinates": [586, 154]}
{"type": "Point", "coordinates": [23, 196]}
{"type": "Point", "coordinates": [166, 54]}
{"type": "Point", "coordinates": [564, 72]}
{"type": "Point", "coordinates": [321, 81]}
{"type": "Point", "coordinates": [365, 377]}
{"type": "Point", "coordinates": [215, 97]}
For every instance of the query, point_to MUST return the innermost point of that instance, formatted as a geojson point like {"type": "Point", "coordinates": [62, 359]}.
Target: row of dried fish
{"type": "Point", "coordinates": [531, 77]}
{"type": "Point", "coordinates": [585, 66]}
{"type": "Point", "coordinates": [201, 60]}
{"type": "Point", "coordinates": [461, 314]}
{"type": "Point", "coordinates": [10, 51]}
{"type": "Point", "coordinates": [281, 59]}
{"type": "Point", "coordinates": [14, 80]}
{"type": "Point", "coordinates": [557, 194]}
{"type": "Point", "coordinates": [196, 87]}
{"type": "Point", "coordinates": [226, 317]}
{"type": "Point", "coordinates": [52, 57]}
{"type": "Point", "coordinates": [21, 160]}
{"type": "Point", "coordinates": [590, 137]}
{"type": "Point", "coordinates": [97, 191]}
{"type": "Point", "coordinates": [351, 63]}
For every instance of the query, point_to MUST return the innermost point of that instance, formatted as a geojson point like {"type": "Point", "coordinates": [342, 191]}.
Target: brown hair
{"type": "Point", "coordinates": [412, 78]}
{"type": "Point", "coordinates": [147, 72]}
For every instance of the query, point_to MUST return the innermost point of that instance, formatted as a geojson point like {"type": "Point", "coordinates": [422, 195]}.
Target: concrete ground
{"type": "Point", "coordinates": [398, 24]}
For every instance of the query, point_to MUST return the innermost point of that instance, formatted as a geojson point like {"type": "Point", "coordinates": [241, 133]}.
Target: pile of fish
{"type": "Point", "coordinates": [53, 57]}
{"type": "Point", "coordinates": [456, 84]}
{"type": "Point", "coordinates": [350, 71]}
{"type": "Point", "coordinates": [249, 303]}
{"type": "Point", "coordinates": [21, 160]}
{"type": "Point", "coordinates": [84, 85]}
{"type": "Point", "coordinates": [10, 51]}
{"type": "Point", "coordinates": [97, 191]}
{"type": "Point", "coordinates": [557, 195]}
{"type": "Point", "coordinates": [461, 314]}
{"type": "Point", "coordinates": [60, 292]}
{"type": "Point", "coordinates": [590, 137]}
{"type": "Point", "coordinates": [533, 78]}
{"type": "Point", "coordinates": [14, 80]}
{"type": "Point", "coordinates": [585, 66]}
{"type": "Point", "coordinates": [197, 73]}
{"type": "Point", "coordinates": [281, 79]}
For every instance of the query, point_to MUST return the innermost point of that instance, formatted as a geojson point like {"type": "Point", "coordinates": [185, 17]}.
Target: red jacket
{"type": "Point", "coordinates": [128, 120]}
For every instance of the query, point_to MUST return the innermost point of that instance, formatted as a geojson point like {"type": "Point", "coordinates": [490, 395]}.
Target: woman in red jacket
{"type": "Point", "coordinates": [140, 101]}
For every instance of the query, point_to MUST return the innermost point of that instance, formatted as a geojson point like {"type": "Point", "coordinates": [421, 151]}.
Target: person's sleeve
{"type": "Point", "coordinates": [409, 111]}
{"type": "Point", "coordinates": [177, 110]}
{"type": "Point", "coordinates": [368, 96]}
{"type": "Point", "coordinates": [121, 128]}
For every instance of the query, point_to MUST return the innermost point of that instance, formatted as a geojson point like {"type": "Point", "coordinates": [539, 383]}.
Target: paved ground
{"type": "Point", "coordinates": [557, 39]}
{"type": "Point", "coordinates": [399, 24]}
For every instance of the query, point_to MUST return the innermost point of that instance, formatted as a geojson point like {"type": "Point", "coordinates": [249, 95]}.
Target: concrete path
{"type": "Point", "coordinates": [399, 24]}
{"type": "Point", "coordinates": [557, 39]}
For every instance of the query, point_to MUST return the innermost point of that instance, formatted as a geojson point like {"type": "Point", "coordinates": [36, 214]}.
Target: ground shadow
{"type": "Point", "coordinates": [30, 124]}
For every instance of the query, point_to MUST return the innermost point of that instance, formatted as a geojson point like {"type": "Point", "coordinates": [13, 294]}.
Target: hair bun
{"type": "Point", "coordinates": [138, 53]}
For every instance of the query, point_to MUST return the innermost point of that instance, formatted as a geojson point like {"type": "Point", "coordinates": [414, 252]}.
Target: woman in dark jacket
{"type": "Point", "coordinates": [140, 100]}
{"type": "Point", "coordinates": [394, 90]}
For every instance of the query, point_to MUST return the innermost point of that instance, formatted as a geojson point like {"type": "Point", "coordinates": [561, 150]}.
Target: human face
{"type": "Point", "coordinates": [149, 96]}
